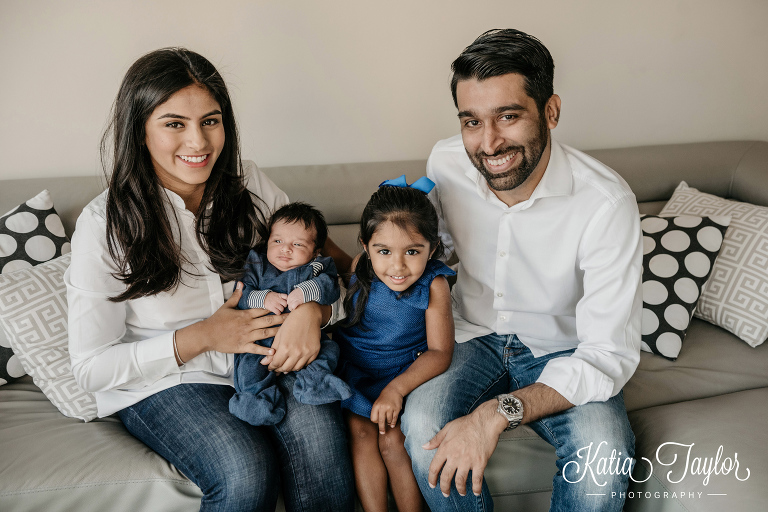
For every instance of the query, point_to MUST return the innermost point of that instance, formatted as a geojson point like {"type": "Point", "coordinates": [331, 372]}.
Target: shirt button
{"type": "Point", "coordinates": [502, 254]}
{"type": "Point", "coordinates": [499, 294]}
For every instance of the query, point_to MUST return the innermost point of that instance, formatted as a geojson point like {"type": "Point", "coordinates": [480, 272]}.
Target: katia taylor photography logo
{"type": "Point", "coordinates": [597, 462]}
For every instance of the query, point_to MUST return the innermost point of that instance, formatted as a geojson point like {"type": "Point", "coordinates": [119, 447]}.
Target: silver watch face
{"type": "Point", "coordinates": [511, 405]}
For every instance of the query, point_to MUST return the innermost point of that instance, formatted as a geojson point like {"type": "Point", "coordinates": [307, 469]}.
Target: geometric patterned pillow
{"type": "Point", "coordinates": [736, 295]}
{"type": "Point", "coordinates": [30, 234]}
{"type": "Point", "coordinates": [678, 256]}
{"type": "Point", "coordinates": [33, 311]}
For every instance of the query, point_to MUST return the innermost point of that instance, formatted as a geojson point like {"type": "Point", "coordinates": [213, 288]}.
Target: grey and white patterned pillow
{"type": "Point", "coordinates": [736, 295]}
{"type": "Point", "coordinates": [678, 256]}
{"type": "Point", "coordinates": [30, 234]}
{"type": "Point", "coordinates": [33, 311]}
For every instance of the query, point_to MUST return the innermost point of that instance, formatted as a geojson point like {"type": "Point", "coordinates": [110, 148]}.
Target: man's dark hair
{"type": "Point", "coordinates": [502, 51]}
{"type": "Point", "coordinates": [291, 213]}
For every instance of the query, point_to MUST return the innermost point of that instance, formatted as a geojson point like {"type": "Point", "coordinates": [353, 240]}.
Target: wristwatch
{"type": "Point", "coordinates": [511, 408]}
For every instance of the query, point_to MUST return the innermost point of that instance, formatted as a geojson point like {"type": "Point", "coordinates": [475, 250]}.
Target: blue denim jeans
{"type": "Point", "coordinates": [490, 365]}
{"type": "Point", "coordinates": [242, 467]}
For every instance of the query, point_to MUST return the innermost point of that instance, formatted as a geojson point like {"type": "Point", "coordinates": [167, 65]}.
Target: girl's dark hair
{"type": "Point", "coordinates": [406, 208]}
{"type": "Point", "coordinates": [140, 234]}
{"type": "Point", "coordinates": [291, 213]}
{"type": "Point", "coordinates": [501, 51]}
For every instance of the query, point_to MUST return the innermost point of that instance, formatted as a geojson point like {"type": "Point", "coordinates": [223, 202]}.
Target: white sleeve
{"type": "Point", "coordinates": [100, 359]}
{"type": "Point", "coordinates": [337, 308]}
{"type": "Point", "coordinates": [608, 315]}
{"type": "Point", "coordinates": [434, 196]}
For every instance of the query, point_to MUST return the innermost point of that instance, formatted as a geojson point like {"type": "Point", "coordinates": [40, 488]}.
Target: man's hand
{"type": "Point", "coordinates": [463, 445]}
{"type": "Point", "coordinates": [275, 302]}
{"type": "Point", "coordinates": [386, 408]}
{"type": "Point", "coordinates": [295, 298]}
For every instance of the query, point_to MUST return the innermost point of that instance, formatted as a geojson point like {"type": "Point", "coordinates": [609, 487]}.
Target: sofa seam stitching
{"type": "Point", "coordinates": [736, 169]}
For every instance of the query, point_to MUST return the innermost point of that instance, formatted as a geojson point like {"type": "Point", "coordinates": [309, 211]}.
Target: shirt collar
{"type": "Point", "coordinates": [557, 180]}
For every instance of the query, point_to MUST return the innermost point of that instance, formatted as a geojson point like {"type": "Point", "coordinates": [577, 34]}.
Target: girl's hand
{"type": "Point", "coordinates": [275, 302]}
{"type": "Point", "coordinates": [386, 408]}
{"type": "Point", "coordinates": [229, 330]}
{"type": "Point", "coordinates": [297, 343]}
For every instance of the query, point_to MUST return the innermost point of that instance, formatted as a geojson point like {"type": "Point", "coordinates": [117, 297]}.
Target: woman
{"type": "Point", "coordinates": [153, 260]}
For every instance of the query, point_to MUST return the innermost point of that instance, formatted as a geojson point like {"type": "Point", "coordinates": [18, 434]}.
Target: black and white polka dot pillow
{"type": "Point", "coordinates": [30, 234]}
{"type": "Point", "coordinates": [678, 255]}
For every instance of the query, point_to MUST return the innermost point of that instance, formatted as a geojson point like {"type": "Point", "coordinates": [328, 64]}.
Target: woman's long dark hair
{"type": "Point", "coordinates": [140, 236]}
{"type": "Point", "coordinates": [407, 208]}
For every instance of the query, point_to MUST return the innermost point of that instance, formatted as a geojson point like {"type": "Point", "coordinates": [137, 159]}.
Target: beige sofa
{"type": "Point", "coordinates": [714, 394]}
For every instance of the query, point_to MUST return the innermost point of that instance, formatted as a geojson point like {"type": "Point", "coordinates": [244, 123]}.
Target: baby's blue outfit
{"type": "Point", "coordinates": [390, 336]}
{"type": "Point", "coordinates": [258, 400]}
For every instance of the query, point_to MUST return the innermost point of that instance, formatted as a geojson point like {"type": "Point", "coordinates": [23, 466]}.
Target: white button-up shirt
{"type": "Point", "coordinates": [562, 270]}
{"type": "Point", "coordinates": [123, 351]}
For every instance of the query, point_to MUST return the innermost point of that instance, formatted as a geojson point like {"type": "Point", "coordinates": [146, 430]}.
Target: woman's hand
{"type": "Point", "coordinates": [297, 343]}
{"type": "Point", "coordinates": [386, 408]}
{"type": "Point", "coordinates": [229, 330]}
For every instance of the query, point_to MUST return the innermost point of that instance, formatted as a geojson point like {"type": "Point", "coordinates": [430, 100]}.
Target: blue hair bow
{"type": "Point", "coordinates": [423, 184]}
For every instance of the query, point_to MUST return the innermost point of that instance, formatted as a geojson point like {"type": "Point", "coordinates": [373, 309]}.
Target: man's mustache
{"type": "Point", "coordinates": [505, 151]}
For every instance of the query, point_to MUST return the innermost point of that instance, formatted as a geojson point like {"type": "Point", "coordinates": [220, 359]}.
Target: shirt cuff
{"type": "Point", "coordinates": [310, 290]}
{"type": "Point", "coordinates": [578, 381]}
{"type": "Point", "coordinates": [256, 299]}
{"type": "Point", "coordinates": [337, 308]}
{"type": "Point", "coordinates": [155, 357]}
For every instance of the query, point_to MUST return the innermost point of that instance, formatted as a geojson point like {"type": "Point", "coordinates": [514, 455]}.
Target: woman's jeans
{"type": "Point", "coordinates": [241, 467]}
{"type": "Point", "coordinates": [488, 366]}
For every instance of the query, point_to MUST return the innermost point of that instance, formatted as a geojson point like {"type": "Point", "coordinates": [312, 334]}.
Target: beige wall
{"type": "Point", "coordinates": [345, 81]}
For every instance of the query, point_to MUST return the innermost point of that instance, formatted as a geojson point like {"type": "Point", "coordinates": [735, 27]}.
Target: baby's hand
{"type": "Point", "coordinates": [295, 298]}
{"type": "Point", "coordinates": [275, 302]}
{"type": "Point", "coordinates": [386, 408]}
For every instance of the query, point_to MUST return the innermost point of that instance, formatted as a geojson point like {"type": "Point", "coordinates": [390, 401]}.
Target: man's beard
{"type": "Point", "coordinates": [530, 157]}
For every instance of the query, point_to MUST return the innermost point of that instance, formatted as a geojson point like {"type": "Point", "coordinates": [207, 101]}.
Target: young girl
{"type": "Point", "coordinates": [399, 334]}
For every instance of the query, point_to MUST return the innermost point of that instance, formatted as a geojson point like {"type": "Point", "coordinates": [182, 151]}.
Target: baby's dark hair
{"type": "Point", "coordinates": [291, 213]}
{"type": "Point", "coordinates": [408, 209]}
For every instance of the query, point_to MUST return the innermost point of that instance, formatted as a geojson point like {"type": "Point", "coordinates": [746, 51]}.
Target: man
{"type": "Point", "coordinates": [547, 300]}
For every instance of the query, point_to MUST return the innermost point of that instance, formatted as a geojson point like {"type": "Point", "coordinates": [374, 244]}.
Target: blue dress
{"type": "Point", "coordinates": [390, 336]}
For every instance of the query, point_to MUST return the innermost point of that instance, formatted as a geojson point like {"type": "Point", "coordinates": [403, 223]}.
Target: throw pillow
{"type": "Point", "coordinates": [10, 365]}
{"type": "Point", "coordinates": [33, 311]}
{"type": "Point", "coordinates": [678, 256]}
{"type": "Point", "coordinates": [30, 234]}
{"type": "Point", "coordinates": [736, 295]}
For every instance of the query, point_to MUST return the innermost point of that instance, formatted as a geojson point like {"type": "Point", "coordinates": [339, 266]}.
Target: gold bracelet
{"type": "Point", "coordinates": [176, 350]}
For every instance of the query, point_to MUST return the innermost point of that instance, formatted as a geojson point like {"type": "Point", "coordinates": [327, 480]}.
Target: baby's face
{"type": "Point", "coordinates": [290, 245]}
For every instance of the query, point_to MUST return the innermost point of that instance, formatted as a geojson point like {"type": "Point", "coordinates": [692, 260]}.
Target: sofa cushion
{"type": "Point", "coordinates": [736, 295]}
{"type": "Point", "coordinates": [33, 310]}
{"type": "Point", "coordinates": [53, 463]}
{"type": "Point", "coordinates": [712, 362]}
{"type": "Point", "coordinates": [733, 421]}
{"type": "Point", "coordinates": [678, 254]}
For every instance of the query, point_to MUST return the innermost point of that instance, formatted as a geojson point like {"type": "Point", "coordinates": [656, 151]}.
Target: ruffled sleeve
{"type": "Point", "coordinates": [418, 295]}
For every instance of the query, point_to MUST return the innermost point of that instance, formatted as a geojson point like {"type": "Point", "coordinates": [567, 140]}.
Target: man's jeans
{"type": "Point", "coordinates": [242, 467]}
{"type": "Point", "coordinates": [490, 365]}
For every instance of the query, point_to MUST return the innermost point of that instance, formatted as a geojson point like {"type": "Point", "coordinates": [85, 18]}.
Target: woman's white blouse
{"type": "Point", "coordinates": [123, 351]}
